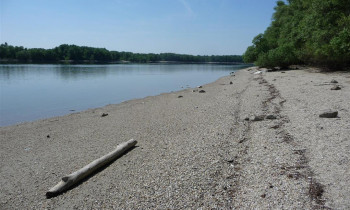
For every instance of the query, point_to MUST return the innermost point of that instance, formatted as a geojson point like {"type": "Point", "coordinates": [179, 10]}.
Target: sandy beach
{"type": "Point", "coordinates": [256, 143]}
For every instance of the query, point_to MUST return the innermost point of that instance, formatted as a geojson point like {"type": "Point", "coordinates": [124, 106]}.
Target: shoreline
{"type": "Point", "coordinates": [86, 62]}
{"type": "Point", "coordinates": [194, 151]}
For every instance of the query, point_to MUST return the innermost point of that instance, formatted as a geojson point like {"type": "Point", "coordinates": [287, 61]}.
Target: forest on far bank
{"type": "Point", "coordinates": [312, 32]}
{"type": "Point", "coordinates": [80, 54]}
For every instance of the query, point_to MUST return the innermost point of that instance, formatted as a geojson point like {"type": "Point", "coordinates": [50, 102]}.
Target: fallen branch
{"type": "Point", "coordinates": [77, 176]}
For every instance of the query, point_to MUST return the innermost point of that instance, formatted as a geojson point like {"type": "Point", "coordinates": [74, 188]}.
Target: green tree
{"type": "Point", "coordinates": [76, 53]}
{"type": "Point", "coordinates": [304, 31]}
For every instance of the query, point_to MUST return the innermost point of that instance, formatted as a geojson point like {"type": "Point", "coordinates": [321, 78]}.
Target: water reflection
{"type": "Point", "coordinates": [74, 72]}
{"type": "Point", "coordinates": [30, 92]}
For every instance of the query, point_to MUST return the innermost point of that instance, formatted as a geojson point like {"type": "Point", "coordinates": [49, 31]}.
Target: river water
{"type": "Point", "coordinates": [32, 92]}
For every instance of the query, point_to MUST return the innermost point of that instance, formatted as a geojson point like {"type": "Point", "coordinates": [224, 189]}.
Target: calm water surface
{"type": "Point", "coordinates": [31, 92]}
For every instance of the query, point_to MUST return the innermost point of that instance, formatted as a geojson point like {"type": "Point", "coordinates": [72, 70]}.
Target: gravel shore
{"type": "Point", "coordinates": [256, 143]}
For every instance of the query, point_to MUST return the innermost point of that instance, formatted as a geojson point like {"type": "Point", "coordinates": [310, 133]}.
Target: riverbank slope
{"type": "Point", "coordinates": [194, 149]}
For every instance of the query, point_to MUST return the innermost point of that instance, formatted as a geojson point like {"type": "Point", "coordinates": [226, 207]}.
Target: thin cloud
{"type": "Point", "coordinates": [187, 7]}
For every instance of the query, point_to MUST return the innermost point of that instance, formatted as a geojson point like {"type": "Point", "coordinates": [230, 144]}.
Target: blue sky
{"type": "Point", "coordinates": [198, 27]}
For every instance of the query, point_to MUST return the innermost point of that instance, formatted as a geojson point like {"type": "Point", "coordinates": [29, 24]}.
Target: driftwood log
{"type": "Point", "coordinates": [77, 176]}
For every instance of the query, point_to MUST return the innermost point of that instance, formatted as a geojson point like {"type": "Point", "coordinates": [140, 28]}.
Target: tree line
{"type": "Point", "coordinates": [82, 54]}
{"type": "Point", "coordinates": [312, 32]}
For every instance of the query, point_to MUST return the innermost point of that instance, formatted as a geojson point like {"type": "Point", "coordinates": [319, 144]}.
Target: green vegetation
{"type": "Point", "coordinates": [77, 54]}
{"type": "Point", "coordinates": [313, 32]}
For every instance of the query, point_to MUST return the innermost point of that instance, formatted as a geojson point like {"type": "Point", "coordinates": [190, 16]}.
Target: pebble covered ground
{"type": "Point", "coordinates": [253, 139]}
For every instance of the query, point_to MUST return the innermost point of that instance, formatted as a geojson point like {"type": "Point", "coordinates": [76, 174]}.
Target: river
{"type": "Point", "coordinates": [32, 92]}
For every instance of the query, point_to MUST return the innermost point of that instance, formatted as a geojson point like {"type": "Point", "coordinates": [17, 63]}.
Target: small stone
{"type": "Point", "coordinates": [48, 136]}
{"type": "Point", "coordinates": [283, 72]}
{"type": "Point", "coordinates": [275, 126]}
{"type": "Point", "coordinates": [231, 82]}
{"type": "Point", "coordinates": [246, 119]}
{"type": "Point", "coordinates": [194, 90]}
{"type": "Point", "coordinates": [180, 96]}
{"type": "Point", "coordinates": [230, 160]}
{"type": "Point", "coordinates": [263, 195]}
{"type": "Point", "coordinates": [334, 81]}
{"type": "Point", "coordinates": [336, 87]}
{"type": "Point", "coordinates": [258, 118]}
{"type": "Point", "coordinates": [202, 91]}
{"type": "Point", "coordinates": [329, 114]}
{"type": "Point", "coordinates": [104, 115]}
{"type": "Point", "coordinates": [271, 117]}
{"type": "Point", "coordinates": [199, 86]}
{"type": "Point", "coordinates": [241, 141]}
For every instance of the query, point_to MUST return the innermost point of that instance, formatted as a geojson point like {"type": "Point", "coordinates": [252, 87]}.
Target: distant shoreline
{"type": "Point", "coordinates": [15, 61]}
{"type": "Point", "coordinates": [82, 54]}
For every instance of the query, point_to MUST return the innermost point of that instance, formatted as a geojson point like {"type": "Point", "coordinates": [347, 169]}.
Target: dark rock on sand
{"type": "Point", "coordinates": [334, 81]}
{"type": "Point", "coordinates": [230, 160]}
{"type": "Point", "coordinates": [258, 118]}
{"type": "Point", "coordinates": [275, 126]}
{"type": "Point", "coordinates": [202, 91]}
{"type": "Point", "coordinates": [336, 87]}
{"type": "Point", "coordinates": [104, 115]}
{"type": "Point", "coordinates": [329, 114]}
{"type": "Point", "coordinates": [271, 117]}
